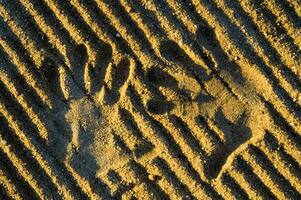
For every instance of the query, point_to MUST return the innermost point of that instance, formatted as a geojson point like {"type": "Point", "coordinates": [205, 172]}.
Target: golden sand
{"type": "Point", "coordinates": [150, 99]}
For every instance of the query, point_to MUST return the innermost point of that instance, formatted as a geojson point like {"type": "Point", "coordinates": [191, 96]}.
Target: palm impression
{"type": "Point", "coordinates": [206, 118]}
{"type": "Point", "coordinates": [92, 90]}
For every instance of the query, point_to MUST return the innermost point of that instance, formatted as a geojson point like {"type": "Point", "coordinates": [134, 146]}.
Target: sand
{"type": "Point", "coordinates": [150, 99]}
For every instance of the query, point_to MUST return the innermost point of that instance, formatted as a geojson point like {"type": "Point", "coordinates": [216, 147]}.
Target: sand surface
{"type": "Point", "coordinates": [150, 99]}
